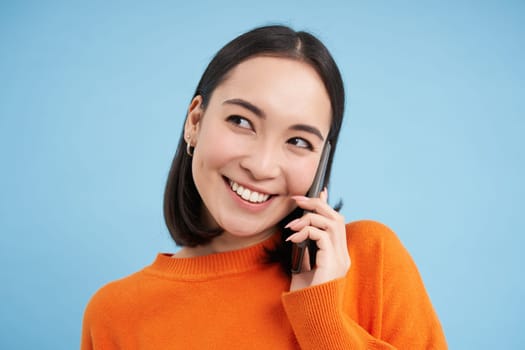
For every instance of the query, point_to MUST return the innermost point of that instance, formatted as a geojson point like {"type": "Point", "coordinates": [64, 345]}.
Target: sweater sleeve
{"type": "Point", "coordinates": [96, 331]}
{"type": "Point", "coordinates": [104, 318]}
{"type": "Point", "coordinates": [319, 321]}
{"type": "Point", "coordinates": [85, 339]}
{"type": "Point", "coordinates": [380, 304]}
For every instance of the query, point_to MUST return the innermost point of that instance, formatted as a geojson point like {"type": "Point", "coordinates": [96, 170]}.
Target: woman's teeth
{"type": "Point", "coordinates": [246, 194]}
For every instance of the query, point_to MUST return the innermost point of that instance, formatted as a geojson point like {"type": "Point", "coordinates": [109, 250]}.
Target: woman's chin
{"type": "Point", "coordinates": [247, 231]}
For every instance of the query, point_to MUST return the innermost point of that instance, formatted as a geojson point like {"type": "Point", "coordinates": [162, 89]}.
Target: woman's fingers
{"type": "Point", "coordinates": [313, 233]}
{"type": "Point", "coordinates": [326, 227]}
{"type": "Point", "coordinates": [317, 205]}
{"type": "Point", "coordinates": [310, 219]}
{"type": "Point", "coordinates": [321, 216]}
{"type": "Point", "coordinates": [324, 195]}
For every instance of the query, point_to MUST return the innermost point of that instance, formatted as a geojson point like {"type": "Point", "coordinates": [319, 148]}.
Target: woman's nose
{"type": "Point", "coordinates": [263, 162]}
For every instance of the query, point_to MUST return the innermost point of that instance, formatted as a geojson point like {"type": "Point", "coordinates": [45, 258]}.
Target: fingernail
{"type": "Point", "coordinates": [289, 238]}
{"type": "Point", "coordinates": [291, 223]}
{"type": "Point", "coordinates": [300, 198]}
{"type": "Point", "coordinates": [325, 193]}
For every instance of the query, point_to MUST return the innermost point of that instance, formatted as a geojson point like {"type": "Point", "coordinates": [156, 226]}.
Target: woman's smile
{"type": "Point", "coordinates": [247, 194]}
{"type": "Point", "coordinates": [248, 199]}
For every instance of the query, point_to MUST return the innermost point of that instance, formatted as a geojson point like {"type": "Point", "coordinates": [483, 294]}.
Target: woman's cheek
{"type": "Point", "coordinates": [302, 177]}
{"type": "Point", "coordinates": [218, 147]}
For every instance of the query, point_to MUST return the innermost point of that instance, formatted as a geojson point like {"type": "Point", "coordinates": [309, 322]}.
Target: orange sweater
{"type": "Point", "coordinates": [234, 301]}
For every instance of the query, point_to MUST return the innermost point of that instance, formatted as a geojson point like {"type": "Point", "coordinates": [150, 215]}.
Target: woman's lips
{"type": "Point", "coordinates": [249, 195]}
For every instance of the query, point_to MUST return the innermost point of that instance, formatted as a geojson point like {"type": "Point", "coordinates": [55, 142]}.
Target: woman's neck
{"type": "Point", "coordinates": [224, 243]}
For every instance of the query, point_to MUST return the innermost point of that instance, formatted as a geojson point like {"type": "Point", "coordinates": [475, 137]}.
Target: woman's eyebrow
{"type": "Point", "coordinates": [243, 103]}
{"type": "Point", "coordinates": [308, 128]}
{"type": "Point", "coordinates": [260, 113]}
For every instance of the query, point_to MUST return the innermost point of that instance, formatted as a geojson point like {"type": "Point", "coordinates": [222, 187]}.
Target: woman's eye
{"type": "Point", "coordinates": [240, 121]}
{"type": "Point", "coordinates": [301, 143]}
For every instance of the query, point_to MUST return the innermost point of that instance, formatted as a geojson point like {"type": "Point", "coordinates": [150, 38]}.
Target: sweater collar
{"type": "Point", "coordinates": [213, 265]}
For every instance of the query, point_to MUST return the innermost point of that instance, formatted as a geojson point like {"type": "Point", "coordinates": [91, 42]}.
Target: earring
{"type": "Point", "coordinates": [188, 145]}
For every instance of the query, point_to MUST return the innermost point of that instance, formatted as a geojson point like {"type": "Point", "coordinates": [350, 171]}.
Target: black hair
{"type": "Point", "coordinates": [183, 205]}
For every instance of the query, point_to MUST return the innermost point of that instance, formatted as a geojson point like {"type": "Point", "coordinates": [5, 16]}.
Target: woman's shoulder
{"type": "Point", "coordinates": [373, 238]}
{"type": "Point", "coordinates": [370, 231]}
{"type": "Point", "coordinates": [114, 297]}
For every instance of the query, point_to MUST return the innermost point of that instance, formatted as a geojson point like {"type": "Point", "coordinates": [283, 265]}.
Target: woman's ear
{"type": "Point", "coordinates": [193, 120]}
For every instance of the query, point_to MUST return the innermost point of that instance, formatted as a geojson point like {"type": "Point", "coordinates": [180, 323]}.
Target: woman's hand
{"type": "Point", "coordinates": [326, 227]}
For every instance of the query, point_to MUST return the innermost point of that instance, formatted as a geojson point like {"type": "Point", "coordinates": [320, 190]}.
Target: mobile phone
{"type": "Point", "coordinates": [298, 249]}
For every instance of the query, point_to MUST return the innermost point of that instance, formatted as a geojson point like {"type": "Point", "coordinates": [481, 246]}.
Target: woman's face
{"type": "Point", "coordinates": [258, 142]}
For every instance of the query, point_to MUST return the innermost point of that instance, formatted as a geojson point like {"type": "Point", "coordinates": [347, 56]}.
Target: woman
{"type": "Point", "coordinates": [262, 113]}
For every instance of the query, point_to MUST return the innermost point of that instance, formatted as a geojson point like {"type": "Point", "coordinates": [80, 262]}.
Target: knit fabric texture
{"type": "Point", "coordinates": [235, 300]}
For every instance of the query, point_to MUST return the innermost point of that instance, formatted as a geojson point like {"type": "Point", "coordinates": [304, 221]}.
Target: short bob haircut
{"type": "Point", "coordinates": [182, 203]}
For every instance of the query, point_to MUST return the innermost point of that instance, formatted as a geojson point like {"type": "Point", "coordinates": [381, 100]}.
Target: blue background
{"type": "Point", "coordinates": [92, 99]}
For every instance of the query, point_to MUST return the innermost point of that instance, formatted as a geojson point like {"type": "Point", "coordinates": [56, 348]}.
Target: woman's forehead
{"type": "Point", "coordinates": [278, 85]}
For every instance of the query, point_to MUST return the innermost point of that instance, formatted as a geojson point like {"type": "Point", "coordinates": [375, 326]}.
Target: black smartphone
{"type": "Point", "coordinates": [298, 249]}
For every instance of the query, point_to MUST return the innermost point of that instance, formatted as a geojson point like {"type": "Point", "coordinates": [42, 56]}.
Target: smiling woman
{"type": "Point", "coordinates": [252, 141]}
